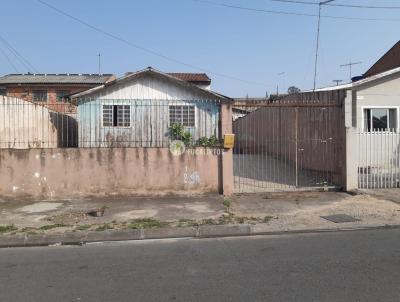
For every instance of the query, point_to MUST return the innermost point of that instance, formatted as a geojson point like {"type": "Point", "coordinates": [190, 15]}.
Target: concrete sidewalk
{"type": "Point", "coordinates": [38, 222]}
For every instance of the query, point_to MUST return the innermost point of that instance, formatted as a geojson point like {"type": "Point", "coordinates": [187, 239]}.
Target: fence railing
{"type": "Point", "coordinates": [289, 144]}
{"type": "Point", "coordinates": [107, 123]}
{"type": "Point", "coordinates": [378, 159]}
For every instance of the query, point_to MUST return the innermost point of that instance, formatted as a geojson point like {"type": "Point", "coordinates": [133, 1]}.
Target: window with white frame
{"type": "Point", "coordinates": [182, 114]}
{"type": "Point", "coordinates": [380, 119]}
{"type": "Point", "coordinates": [116, 116]}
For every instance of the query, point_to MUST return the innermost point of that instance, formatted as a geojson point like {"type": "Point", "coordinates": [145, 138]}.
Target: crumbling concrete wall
{"type": "Point", "coordinates": [62, 173]}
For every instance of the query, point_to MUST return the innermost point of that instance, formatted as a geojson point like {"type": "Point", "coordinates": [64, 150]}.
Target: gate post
{"type": "Point", "coordinates": [351, 143]}
{"type": "Point", "coordinates": [227, 156]}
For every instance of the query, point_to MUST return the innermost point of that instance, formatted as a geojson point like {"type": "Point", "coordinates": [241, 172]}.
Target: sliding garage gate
{"type": "Point", "coordinates": [294, 144]}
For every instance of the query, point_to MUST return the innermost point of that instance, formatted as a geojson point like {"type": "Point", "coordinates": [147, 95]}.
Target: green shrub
{"type": "Point", "coordinates": [178, 132]}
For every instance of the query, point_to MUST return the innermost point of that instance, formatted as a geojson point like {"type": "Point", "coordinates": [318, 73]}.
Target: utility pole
{"type": "Point", "coordinates": [350, 65]}
{"type": "Point", "coordinates": [99, 55]}
{"type": "Point", "coordinates": [337, 82]}
{"type": "Point", "coordinates": [318, 31]}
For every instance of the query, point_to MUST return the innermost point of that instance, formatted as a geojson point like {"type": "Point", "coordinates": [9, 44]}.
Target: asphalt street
{"type": "Point", "coordinates": [340, 266]}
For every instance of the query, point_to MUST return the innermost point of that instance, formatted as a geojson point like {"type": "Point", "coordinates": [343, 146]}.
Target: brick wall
{"type": "Point", "coordinates": [25, 92]}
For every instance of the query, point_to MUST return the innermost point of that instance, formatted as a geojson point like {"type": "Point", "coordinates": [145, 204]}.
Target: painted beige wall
{"type": "Point", "coordinates": [377, 150]}
{"type": "Point", "coordinates": [26, 125]}
{"type": "Point", "coordinates": [378, 93]}
{"type": "Point", "coordinates": [60, 173]}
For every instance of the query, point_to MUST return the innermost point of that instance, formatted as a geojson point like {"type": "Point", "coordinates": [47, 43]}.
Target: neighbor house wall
{"type": "Point", "coordinates": [25, 92]}
{"type": "Point", "coordinates": [26, 125]}
{"type": "Point", "coordinates": [104, 171]}
{"type": "Point", "coordinates": [377, 149]}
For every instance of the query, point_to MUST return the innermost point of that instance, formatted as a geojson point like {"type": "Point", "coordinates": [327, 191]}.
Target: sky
{"type": "Point", "coordinates": [245, 52]}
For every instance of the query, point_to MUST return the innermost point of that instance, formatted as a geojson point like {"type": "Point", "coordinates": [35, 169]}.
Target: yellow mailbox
{"type": "Point", "coordinates": [229, 141]}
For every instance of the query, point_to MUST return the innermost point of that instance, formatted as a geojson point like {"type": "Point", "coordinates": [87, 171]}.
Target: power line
{"type": "Point", "coordinates": [282, 12]}
{"type": "Point", "coordinates": [8, 60]}
{"type": "Point", "coordinates": [18, 56]}
{"type": "Point", "coordinates": [144, 49]}
{"type": "Point", "coordinates": [339, 5]}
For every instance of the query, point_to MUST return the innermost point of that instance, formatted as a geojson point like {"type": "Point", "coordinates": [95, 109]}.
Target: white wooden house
{"type": "Point", "coordinates": [138, 109]}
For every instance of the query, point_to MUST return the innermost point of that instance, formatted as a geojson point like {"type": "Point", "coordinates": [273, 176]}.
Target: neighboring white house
{"type": "Point", "coordinates": [376, 118]}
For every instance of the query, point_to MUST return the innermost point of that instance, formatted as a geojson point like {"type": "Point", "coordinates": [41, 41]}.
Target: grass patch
{"type": "Point", "coordinates": [267, 219]}
{"type": "Point", "coordinates": [226, 203]}
{"type": "Point", "coordinates": [146, 223]}
{"type": "Point", "coordinates": [7, 228]}
{"type": "Point", "coordinates": [104, 227]}
{"type": "Point", "coordinates": [51, 226]}
{"type": "Point", "coordinates": [83, 227]}
{"type": "Point", "coordinates": [187, 222]}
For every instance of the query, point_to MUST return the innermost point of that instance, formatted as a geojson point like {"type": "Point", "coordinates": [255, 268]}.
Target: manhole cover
{"type": "Point", "coordinates": [340, 218]}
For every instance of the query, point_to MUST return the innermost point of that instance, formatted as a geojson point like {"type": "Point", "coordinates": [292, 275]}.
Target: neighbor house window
{"type": "Point", "coordinates": [61, 94]}
{"type": "Point", "coordinates": [3, 91]}
{"type": "Point", "coordinates": [116, 116]}
{"type": "Point", "coordinates": [40, 95]}
{"type": "Point", "coordinates": [182, 114]}
{"type": "Point", "coordinates": [378, 119]}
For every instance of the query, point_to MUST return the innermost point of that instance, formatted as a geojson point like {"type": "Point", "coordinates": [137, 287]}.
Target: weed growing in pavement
{"type": "Point", "coordinates": [51, 226]}
{"type": "Point", "coordinates": [187, 223]}
{"type": "Point", "coordinates": [83, 227]}
{"type": "Point", "coordinates": [226, 203]}
{"type": "Point", "coordinates": [104, 227]}
{"type": "Point", "coordinates": [146, 223]}
{"type": "Point", "coordinates": [7, 228]}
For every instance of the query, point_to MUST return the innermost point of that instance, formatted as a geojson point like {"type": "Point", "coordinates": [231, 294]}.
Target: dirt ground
{"type": "Point", "coordinates": [277, 211]}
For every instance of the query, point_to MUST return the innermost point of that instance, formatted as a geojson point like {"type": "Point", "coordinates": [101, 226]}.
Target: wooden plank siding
{"type": "Point", "coordinates": [149, 98]}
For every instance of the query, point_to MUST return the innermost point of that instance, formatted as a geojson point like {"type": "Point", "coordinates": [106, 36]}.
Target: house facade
{"type": "Point", "coordinates": [50, 90]}
{"type": "Point", "coordinates": [139, 109]}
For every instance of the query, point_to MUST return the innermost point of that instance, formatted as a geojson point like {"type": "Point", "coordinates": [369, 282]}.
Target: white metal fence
{"type": "Point", "coordinates": [378, 159]}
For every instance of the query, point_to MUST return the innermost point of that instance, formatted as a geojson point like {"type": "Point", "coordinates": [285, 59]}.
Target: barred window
{"type": "Point", "coordinates": [380, 119]}
{"type": "Point", "coordinates": [116, 116]}
{"type": "Point", "coordinates": [182, 114]}
{"type": "Point", "coordinates": [40, 95]}
{"type": "Point", "coordinates": [61, 95]}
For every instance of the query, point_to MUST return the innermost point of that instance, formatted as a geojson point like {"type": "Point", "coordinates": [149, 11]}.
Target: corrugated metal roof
{"type": "Point", "coordinates": [191, 77]}
{"type": "Point", "coordinates": [56, 78]}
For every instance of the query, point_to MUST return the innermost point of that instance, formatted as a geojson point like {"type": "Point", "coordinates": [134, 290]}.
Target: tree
{"type": "Point", "coordinates": [293, 90]}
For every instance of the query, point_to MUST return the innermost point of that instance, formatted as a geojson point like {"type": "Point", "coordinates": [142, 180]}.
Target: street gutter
{"type": "Point", "coordinates": [205, 231]}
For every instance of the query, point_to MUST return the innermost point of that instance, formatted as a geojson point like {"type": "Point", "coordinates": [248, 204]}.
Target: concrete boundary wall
{"type": "Point", "coordinates": [62, 173]}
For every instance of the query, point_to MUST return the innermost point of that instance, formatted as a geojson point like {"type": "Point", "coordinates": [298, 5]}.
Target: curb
{"type": "Point", "coordinates": [206, 231]}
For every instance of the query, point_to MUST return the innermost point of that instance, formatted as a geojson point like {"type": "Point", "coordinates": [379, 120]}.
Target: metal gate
{"type": "Point", "coordinates": [378, 159]}
{"type": "Point", "coordinates": [292, 144]}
